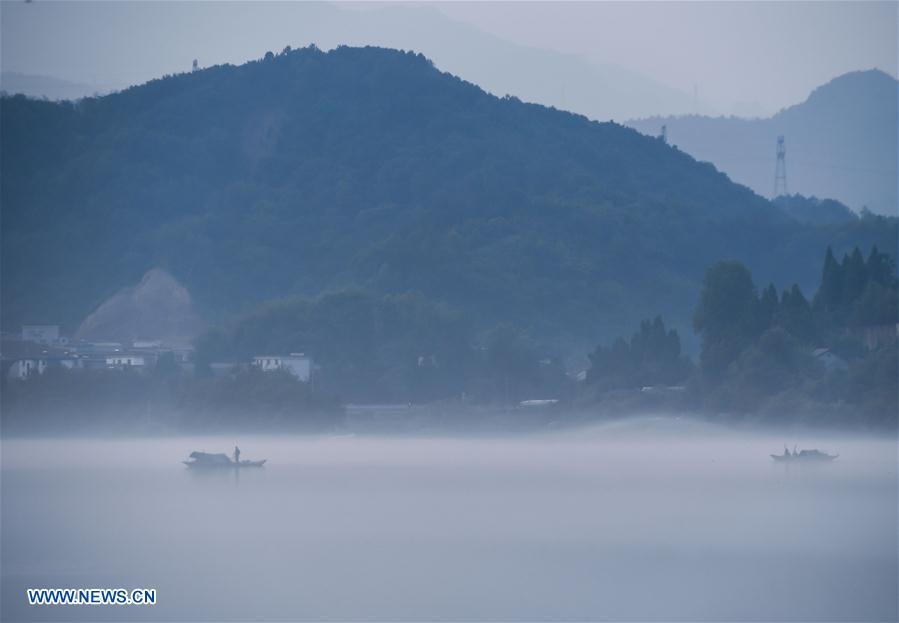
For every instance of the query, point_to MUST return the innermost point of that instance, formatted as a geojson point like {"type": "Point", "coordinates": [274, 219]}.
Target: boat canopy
{"type": "Point", "coordinates": [212, 459]}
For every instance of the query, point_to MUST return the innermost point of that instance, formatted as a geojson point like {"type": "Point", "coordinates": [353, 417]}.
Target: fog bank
{"type": "Point", "coordinates": [625, 521]}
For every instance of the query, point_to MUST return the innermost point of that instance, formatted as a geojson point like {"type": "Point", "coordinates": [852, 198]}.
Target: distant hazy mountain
{"type": "Point", "coordinates": [500, 67]}
{"type": "Point", "coordinates": [841, 143]}
{"type": "Point", "coordinates": [307, 172]}
{"type": "Point", "coordinates": [12, 82]}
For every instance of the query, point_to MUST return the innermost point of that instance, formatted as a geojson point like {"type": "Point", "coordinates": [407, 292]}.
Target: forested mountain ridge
{"type": "Point", "coordinates": [306, 172]}
{"type": "Point", "coordinates": [841, 142]}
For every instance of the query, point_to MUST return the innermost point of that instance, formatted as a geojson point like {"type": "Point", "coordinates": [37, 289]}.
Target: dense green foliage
{"type": "Point", "coordinates": [777, 357]}
{"type": "Point", "coordinates": [854, 294]}
{"type": "Point", "coordinates": [765, 354]}
{"type": "Point", "coordinates": [728, 315]}
{"type": "Point", "coordinates": [307, 172]}
{"type": "Point", "coordinates": [389, 349]}
{"type": "Point", "coordinates": [394, 348]}
{"type": "Point", "coordinates": [651, 357]}
{"type": "Point", "coordinates": [814, 211]}
{"type": "Point", "coordinates": [857, 292]}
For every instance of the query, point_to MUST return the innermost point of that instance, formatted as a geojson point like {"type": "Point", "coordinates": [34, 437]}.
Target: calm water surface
{"type": "Point", "coordinates": [617, 522]}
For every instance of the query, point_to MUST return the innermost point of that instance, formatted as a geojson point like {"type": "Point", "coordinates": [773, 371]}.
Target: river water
{"type": "Point", "coordinates": [632, 521]}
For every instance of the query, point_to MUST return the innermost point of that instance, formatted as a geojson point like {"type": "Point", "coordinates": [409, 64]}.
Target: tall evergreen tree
{"type": "Point", "coordinates": [769, 304]}
{"type": "Point", "coordinates": [795, 315]}
{"type": "Point", "coordinates": [880, 268]}
{"type": "Point", "coordinates": [855, 277]}
{"type": "Point", "coordinates": [651, 357]}
{"type": "Point", "coordinates": [728, 315]}
{"type": "Point", "coordinates": [830, 292]}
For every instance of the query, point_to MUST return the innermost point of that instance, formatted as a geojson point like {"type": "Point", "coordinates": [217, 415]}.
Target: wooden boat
{"type": "Point", "coordinates": [206, 460]}
{"type": "Point", "coordinates": [803, 456]}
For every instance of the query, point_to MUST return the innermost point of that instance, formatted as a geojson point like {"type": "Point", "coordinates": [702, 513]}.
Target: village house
{"type": "Point", "coordinates": [42, 346]}
{"type": "Point", "coordinates": [21, 369]}
{"type": "Point", "coordinates": [125, 360]}
{"type": "Point", "coordinates": [297, 364]}
{"type": "Point", "coordinates": [21, 359]}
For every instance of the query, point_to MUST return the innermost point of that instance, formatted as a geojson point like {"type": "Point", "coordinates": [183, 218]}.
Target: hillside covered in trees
{"type": "Point", "coordinates": [308, 172]}
{"type": "Point", "coordinates": [775, 357]}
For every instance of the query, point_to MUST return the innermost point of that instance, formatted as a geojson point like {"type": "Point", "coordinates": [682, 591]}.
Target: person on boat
{"type": "Point", "coordinates": [236, 454]}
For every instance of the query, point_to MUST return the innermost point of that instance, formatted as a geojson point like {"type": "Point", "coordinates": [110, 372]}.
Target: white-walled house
{"type": "Point", "coordinates": [21, 369]}
{"type": "Point", "coordinates": [125, 360]}
{"type": "Point", "coordinates": [297, 364]}
{"type": "Point", "coordinates": [21, 359]}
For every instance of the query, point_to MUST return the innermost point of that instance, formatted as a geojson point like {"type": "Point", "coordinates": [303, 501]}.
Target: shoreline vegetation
{"type": "Point", "coordinates": [406, 363]}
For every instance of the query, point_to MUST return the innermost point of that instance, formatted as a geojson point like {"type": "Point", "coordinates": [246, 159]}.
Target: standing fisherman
{"type": "Point", "coordinates": [236, 455]}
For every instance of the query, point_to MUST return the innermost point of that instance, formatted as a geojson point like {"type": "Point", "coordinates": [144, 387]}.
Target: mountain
{"type": "Point", "coordinates": [307, 172]}
{"type": "Point", "coordinates": [235, 32]}
{"type": "Point", "coordinates": [45, 86]}
{"type": "Point", "coordinates": [567, 81]}
{"type": "Point", "coordinates": [841, 142]}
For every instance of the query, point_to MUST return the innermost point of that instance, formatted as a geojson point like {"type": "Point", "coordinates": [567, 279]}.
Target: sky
{"type": "Point", "coordinates": [769, 53]}
{"type": "Point", "coordinates": [748, 58]}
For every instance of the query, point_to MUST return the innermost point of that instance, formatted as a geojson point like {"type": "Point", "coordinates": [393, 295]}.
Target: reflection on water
{"type": "Point", "coordinates": [617, 522]}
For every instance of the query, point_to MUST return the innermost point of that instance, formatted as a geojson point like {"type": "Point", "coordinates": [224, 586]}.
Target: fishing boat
{"type": "Point", "coordinates": [206, 460]}
{"type": "Point", "coordinates": [804, 456]}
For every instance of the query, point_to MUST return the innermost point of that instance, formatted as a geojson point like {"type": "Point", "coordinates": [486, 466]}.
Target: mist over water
{"type": "Point", "coordinates": [640, 520]}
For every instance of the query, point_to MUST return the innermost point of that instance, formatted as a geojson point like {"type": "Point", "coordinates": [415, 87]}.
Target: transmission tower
{"type": "Point", "coordinates": [780, 171]}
